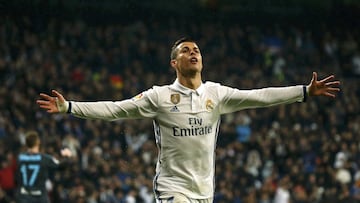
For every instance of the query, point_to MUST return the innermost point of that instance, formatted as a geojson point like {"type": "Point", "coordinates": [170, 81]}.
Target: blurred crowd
{"type": "Point", "coordinates": [301, 153]}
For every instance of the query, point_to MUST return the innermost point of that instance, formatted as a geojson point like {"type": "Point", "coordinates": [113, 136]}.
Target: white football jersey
{"type": "Point", "coordinates": [186, 124]}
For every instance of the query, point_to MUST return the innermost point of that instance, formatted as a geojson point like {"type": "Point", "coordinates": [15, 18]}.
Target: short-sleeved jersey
{"type": "Point", "coordinates": [33, 171]}
{"type": "Point", "coordinates": [186, 124]}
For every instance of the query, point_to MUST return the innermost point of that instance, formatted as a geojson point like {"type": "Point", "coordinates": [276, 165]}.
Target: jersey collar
{"type": "Point", "coordinates": [187, 91]}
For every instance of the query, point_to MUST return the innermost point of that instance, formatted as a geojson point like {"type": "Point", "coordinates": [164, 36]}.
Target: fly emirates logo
{"type": "Point", "coordinates": [196, 128]}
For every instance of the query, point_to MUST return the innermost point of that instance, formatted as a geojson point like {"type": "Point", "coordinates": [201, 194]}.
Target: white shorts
{"type": "Point", "coordinates": [180, 198]}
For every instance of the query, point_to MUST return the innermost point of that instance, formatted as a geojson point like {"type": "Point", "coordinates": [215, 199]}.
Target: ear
{"type": "Point", "coordinates": [173, 63]}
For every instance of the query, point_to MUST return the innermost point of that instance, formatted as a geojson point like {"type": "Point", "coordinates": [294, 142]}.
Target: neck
{"type": "Point", "coordinates": [33, 150]}
{"type": "Point", "coordinates": [190, 82]}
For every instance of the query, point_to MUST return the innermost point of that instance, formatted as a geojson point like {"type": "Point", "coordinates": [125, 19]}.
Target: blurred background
{"type": "Point", "coordinates": [111, 50]}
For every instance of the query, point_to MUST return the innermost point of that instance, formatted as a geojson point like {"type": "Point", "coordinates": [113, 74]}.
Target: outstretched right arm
{"type": "Point", "coordinates": [143, 107]}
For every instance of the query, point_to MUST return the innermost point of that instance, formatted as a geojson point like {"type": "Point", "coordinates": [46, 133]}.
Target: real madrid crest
{"type": "Point", "coordinates": [175, 98]}
{"type": "Point", "coordinates": [209, 105]}
{"type": "Point", "coordinates": [137, 97]}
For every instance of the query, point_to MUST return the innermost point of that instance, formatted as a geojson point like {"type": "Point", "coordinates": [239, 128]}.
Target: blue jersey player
{"type": "Point", "coordinates": [33, 170]}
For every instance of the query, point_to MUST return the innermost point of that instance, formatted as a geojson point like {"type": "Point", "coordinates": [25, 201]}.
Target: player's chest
{"type": "Point", "coordinates": [191, 103]}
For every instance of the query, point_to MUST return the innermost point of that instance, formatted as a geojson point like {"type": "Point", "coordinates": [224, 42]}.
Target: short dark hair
{"type": "Point", "coordinates": [177, 42]}
{"type": "Point", "coordinates": [32, 139]}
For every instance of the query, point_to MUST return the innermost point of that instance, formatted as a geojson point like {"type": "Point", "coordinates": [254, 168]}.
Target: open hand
{"type": "Point", "coordinates": [325, 87]}
{"type": "Point", "coordinates": [53, 104]}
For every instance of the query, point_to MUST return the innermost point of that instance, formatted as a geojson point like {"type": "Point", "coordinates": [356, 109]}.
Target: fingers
{"type": "Point", "coordinates": [45, 105]}
{"type": "Point", "coordinates": [48, 108]}
{"type": "Point", "coordinates": [42, 102]}
{"type": "Point", "coordinates": [333, 89]}
{"type": "Point", "coordinates": [332, 83]}
{"type": "Point", "coordinates": [58, 95]}
{"type": "Point", "coordinates": [327, 78]}
{"type": "Point", "coordinates": [329, 94]}
{"type": "Point", "coordinates": [314, 77]}
{"type": "Point", "coordinates": [45, 96]}
{"type": "Point", "coordinates": [47, 102]}
{"type": "Point", "coordinates": [50, 98]}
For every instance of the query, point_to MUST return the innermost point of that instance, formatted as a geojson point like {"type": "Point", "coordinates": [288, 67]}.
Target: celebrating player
{"type": "Point", "coordinates": [186, 117]}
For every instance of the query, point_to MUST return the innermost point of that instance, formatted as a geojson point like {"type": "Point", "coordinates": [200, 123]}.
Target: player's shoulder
{"type": "Point", "coordinates": [159, 89]}
{"type": "Point", "coordinates": [216, 89]}
{"type": "Point", "coordinates": [46, 157]}
{"type": "Point", "coordinates": [50, 158]}
{"type": "Point", "coordinates": [212, 84]}
{"type": "Point", "coordinates": [151, 93]}
{"type": "Point", "coordinates": [24, 156]}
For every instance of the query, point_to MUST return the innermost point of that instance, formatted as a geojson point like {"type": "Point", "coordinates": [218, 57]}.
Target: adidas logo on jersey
{"type": "Point", "coordinates": [174, 109]}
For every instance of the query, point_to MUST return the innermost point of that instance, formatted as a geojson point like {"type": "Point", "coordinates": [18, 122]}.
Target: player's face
{"type": "Point", "coordinates": [188, 60]}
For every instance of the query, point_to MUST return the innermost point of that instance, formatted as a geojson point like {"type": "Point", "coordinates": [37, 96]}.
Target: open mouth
{"type": "Point", "coordinates": [193, 60]}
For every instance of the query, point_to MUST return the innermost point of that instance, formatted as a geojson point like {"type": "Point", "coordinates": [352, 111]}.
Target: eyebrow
{"type": "Point", "coordinates": [187, 47]}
